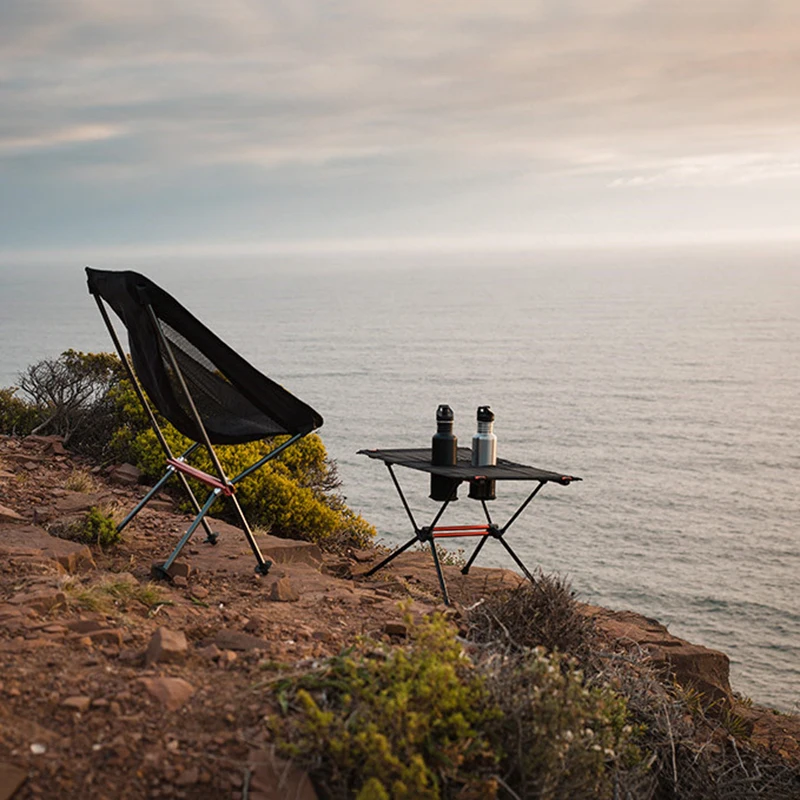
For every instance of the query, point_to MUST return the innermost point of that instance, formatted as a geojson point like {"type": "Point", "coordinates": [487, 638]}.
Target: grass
{"type": "Point", "coordinates": [80, 481]}
{"type": "Point", "coordinates": [114, 595]}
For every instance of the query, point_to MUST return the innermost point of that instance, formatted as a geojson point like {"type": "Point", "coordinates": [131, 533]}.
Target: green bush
{"type": "Point", "coordinates": [18, 416]}
{"type": "Point", "coordinates": [286, 496]}
{"type": "Point", "coordinates": [96, 527]}
{"type": "Point", "coordinates": [392, 722]}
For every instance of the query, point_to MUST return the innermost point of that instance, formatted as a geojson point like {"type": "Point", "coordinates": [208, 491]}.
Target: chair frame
{"type": "Point", "coordinates": [220, 484]}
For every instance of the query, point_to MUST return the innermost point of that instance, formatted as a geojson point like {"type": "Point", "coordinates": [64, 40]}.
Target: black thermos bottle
{"type": "Point", "coordinates": [444, 453]}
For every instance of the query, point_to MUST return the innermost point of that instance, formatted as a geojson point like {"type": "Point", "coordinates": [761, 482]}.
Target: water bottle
{"type": "Point", "coordinates": [484, 454]}
{"type": "Point", "coordinates": [444, 453]}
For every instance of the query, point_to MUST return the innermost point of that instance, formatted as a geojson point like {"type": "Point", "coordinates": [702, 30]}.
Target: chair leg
{"type": "Point", "coordinates": [211, 537]}
{"type": "Point", "coordinates": [165, 567]}
{"type": "Point", "coordinates": [145, 500]}
{"type": "Point", "coordinates": [262, 565]}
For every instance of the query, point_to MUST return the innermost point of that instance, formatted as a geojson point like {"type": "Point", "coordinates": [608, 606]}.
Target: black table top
{"type": "Point", "coordinates": [420, 458]}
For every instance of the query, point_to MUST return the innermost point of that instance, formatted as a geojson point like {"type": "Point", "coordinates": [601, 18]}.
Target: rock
{"type": "Point", "coordinates": [363, 556]}
{"type": "Point", "coordinates": [77, 502]}
{"type": "Point", "coordinates": [237, 640]}
{"type": "Point", "coordinates": [32, 541]}
{"type": "Point", "coordinates": [103, 636]}
{"type": "Point", "coordinates": [161, 505]}
{"type": "Point", "coordinates": [704, 669]}
{"type": "Point", "coordinates": [396, 629]}
{"type": "Point", "coordinates": [43, 602]}
{"type": "Point", "coordinates": [287, 551]}
{"type": "Point", "coordinates": [200, 592]}
{"type": "Point", "coordinates": [282, 591]}
{"type": "Point", "coordinates": [172, 693]}
{"type": "Point", "coordinates": [226, 658]}
{"type": "Point", "coordinates": [54, 629]}
{"type": "Point", "coordinates": [126, 474]}
{"type": "Point", "coordinates": [255, 624]}
{"type": "Point", "coordinates": [178, 568]}
{"type": "Point", "coordinates": [11, 778]}
{"type": "Point", "coordinates": [84, 626]}
{"type": "Point", "coordinates": [188, 777]}
{"type": "Point", "coordinates": [166, 646]}
{"type": "Point", "coordinates": [77, 559]}
{"type": "Point", "coordinates": [275, 779]}
{"type": "Point", "coordinates": [126, 577]}
{"type": "Point", "coordinates": [34, 440]}
{"type": "Point", "coordinates": [211, 652]}
{"type": "Point", "coordinates": [56, 447]}
{"type": "Point", "coordinates": [42, 514]}
{"type": "Point", "coordinates": [339, 568]}
{"type": "Point", "coordinates": [180, 582]}
{"type": "Point", "coordinates": [9, 515]}
{"type": "Point", "coordinates": [80, 703]}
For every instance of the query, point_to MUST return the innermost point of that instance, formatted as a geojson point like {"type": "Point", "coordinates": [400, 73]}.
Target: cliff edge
{"type": "Point", "coordinates": [111, 685]}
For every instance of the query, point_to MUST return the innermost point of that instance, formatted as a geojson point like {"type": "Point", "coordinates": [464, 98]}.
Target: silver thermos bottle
{"type": "Point", "coordinates": [484, 454]}
{"type": "Point", "coordinates": [444, 453]}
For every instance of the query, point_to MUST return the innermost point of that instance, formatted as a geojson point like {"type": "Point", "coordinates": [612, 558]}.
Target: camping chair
{"type": "Point", "coordinates": [204, 388]}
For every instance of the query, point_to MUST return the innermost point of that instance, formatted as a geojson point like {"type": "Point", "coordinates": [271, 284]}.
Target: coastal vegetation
{"type": "Point", "coordinates": [87, 399]}
{"type": "Point", "coordinates": [483, 709]}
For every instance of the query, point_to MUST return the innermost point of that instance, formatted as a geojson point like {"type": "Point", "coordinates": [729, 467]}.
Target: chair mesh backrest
{"type": "Point", "coordinates": [235, 402]}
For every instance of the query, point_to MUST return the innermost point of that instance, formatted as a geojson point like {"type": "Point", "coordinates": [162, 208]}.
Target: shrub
{"type": "Point", "coordinates": [290, 495]}
{"type": "Point", "coordinates": [560, 737]}
{"type": "Point", "coordinates": [96, 527]}
{"type": "Point", "coordinates": [16, 415]}
{"type": "Point", "coordinates": [543, 613]}
{"type": "Point", "coordinates": [71, 396]}
{"type": "Point", "coordinates": [382, 722]}
{"type": "Point", "coordinates": [86, 398]}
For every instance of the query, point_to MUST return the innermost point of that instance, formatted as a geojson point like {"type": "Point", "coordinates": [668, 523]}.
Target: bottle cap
{"type": "Point", "coordinates": [444, 413]}
{"type": "Point", "coordinates": [485, 414]}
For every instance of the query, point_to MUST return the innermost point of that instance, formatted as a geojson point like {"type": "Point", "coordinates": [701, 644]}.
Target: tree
{"type": "Point", "coordinates": [72, 392]}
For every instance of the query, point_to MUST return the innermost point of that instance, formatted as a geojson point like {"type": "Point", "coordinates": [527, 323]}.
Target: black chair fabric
{"type": "Point", "coordinates": [235, 401]}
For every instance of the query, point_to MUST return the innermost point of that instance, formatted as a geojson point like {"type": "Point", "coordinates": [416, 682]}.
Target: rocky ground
{"type": "Point", "coordinates": [112, 686]}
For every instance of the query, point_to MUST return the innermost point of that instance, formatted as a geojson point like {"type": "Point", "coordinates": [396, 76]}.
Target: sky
{"type": "Point", "coordinates": [202, 125]}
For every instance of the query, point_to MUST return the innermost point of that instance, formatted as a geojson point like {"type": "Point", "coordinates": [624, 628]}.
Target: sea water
{"type": "Point", "coordinates": [669, 380]}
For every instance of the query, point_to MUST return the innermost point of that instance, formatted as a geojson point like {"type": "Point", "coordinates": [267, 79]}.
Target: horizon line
{"type": "Point", "coordinates": [388, 245]}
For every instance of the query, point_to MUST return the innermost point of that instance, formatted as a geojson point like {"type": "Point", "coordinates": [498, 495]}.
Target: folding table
{"type": "Point", "coordinates": [420, 459]}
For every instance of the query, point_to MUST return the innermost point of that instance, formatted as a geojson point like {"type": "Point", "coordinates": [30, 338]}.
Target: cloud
{"type": "Point", "coordinates": [724, 170]}
{"type": "Point", "coordinates": [463, 98]}
{"type": "Point", "coordinates": [73, 135]}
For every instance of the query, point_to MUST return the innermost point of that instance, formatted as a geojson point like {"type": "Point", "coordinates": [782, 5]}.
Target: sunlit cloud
{"type": "Point", "coordinates": [75, 135]}
{"type": "Point", "coordinates": [724, 170]}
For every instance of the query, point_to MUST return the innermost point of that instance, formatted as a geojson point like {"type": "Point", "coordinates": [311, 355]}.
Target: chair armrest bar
{"type": "Point", "coordinates": [203, 477]}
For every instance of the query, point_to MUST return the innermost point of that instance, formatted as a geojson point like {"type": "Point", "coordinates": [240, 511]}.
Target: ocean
{"type": "Point", "coordinates": [668, 379]}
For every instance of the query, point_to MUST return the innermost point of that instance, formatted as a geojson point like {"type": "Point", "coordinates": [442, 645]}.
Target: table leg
{"type": "Point", "coordinates": [481, 543]}
{"type": "Point", "coordinates": [439, 573]}
{"type": "Point", "coordinates": [499, 532]}
{"type": "Point", "coordinates": [516, 558]}
{"type": "Point", "coordinates": [391, 556]}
